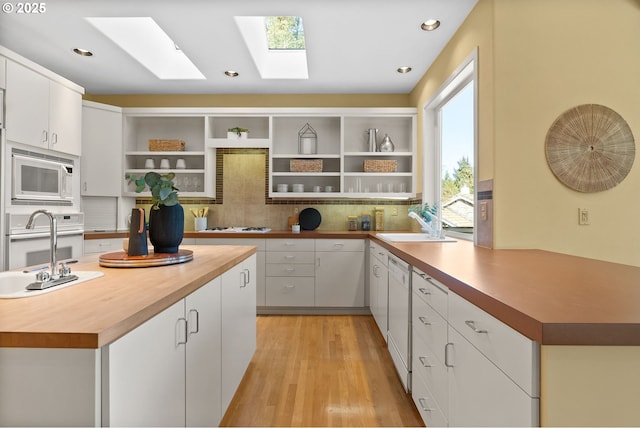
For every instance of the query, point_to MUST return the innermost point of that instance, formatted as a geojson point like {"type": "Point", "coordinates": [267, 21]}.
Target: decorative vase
{"type": "Point", "coordinates": [166, 228]}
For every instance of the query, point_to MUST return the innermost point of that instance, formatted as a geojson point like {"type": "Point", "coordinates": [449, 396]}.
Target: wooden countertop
{"type": "Point", "coordinates": [94, 313]}
{"type": "Point", "coordinates": [310, 234]}
{"type": "Point", "coordinates": [554, 299]}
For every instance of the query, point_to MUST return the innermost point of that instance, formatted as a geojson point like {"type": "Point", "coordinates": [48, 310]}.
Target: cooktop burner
{"type": "Point", "coordinates": [238, 229]}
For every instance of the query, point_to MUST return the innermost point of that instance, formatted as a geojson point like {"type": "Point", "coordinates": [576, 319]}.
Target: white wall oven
{"type": "Point", "coordinates": [41, 178]}
{"type": "Point", "coordinates": [29, 247]}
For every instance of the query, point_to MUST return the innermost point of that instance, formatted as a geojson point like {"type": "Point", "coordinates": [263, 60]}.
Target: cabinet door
{"type": "Point", "coordinates": [27, 102]}
{"type": "Point", "coordinates": [238, 325]}
{"type": "Point", "coordinates": [65, 119]}
{"type": "Point", "coordinates": [203, 373]}
{"type": "Point", "coordinates": [339, 279]}
{"type": "Point", "coordinates": [100, 164]}
{"type": "Point", "coordinates": [144, 372]}
{"type": "Point", "coordinates": [482, 395]}
{"type": "Point", "coordinates": [379, 294]}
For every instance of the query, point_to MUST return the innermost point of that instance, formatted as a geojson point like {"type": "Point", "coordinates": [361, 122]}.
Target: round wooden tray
{"type": "Point", "coordinates": [121, 259]}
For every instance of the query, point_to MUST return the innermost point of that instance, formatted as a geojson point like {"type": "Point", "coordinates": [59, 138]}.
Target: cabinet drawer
{"type": "Point", "coordinates": [290, 257]}
{"type": "Point", "coordinates": [431, 414]}
{"type": "Point", "coordinates": [430, 291]}
{"type": "Point", "coordinates": [102, 245]}
{"type": "Point", "coordinates": [339, 245]}
{"type": "Point", "coordinates": [260, 243]}
{"type": "Point", "coordinates": [429, 368]}
{"type": "Point", "coordinates": [290, 269]}
{"type": "Point", "coordinates": [430, 327]}
{"type": "Point", "coordinates": [379, 252]}
{"type": "Point", "coordinates": [283, 291]}
{"type": "Point", "coordinates": [290, 245]}
{"type": "Point", "coordinates": [513, 353]}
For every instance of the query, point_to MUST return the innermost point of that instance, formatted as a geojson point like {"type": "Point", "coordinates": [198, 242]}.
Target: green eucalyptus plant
{"type": "Point", "coordinates": [238, 130]}
{"type": "Point", "coordinates": [163, 191]}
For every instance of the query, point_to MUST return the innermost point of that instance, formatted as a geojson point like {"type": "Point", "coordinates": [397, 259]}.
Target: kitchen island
{"type": "Point", "coordinates": [137, 346]}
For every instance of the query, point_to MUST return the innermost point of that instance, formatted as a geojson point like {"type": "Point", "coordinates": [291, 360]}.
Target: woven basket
{"type": "Point", "coordinates": [305, 165]}
{"type": "Point", "coordinates": [166, 145]}
{"type": "Point", "coordinates": [380, 165]}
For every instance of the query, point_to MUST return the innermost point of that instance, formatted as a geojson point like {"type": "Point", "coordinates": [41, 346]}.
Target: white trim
{"type": "Point", "coordinates": [466, 72]}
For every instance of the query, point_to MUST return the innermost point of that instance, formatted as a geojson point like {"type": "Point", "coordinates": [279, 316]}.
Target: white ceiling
{"type": "Point", "coordinates": [353, 46]}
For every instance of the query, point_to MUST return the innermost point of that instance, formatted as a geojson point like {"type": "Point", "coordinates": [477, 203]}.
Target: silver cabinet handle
{"type": "Point", "coordinates": [245, 278]}
{"type": "Point", "coordinates": [424, 291]}
{"type": "Point", "coordinates": [54, 138]}
{"type": "Point", "coordinates": [181, 331]}
{"type": "Point", "coordinates": [447, 355]}
{"type": "Point", "coordinates": [424, 320]}
{"type": "Point", "coordinates": [423, 404]}
{"type": "Point", "coordinates": [289, 257]}
{"type": "Point", "coordinates": [338, 245]}
{"type": "Point", "coordinates": [192, 313]}
{"type": "Point", "coordinates": [424, 362]}
{"type": "Point", "coordinates": [472, 326]}
{"type": "Point", "coordinates": [45, 136]}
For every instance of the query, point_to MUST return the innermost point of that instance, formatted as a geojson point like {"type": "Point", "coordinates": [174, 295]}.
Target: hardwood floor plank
{"type": "Point", "coordinates": [320, 370]}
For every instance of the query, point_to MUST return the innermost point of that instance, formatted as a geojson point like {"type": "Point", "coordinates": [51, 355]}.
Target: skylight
{"type": "Point", "coordinates": [278, 62]}
{"type": "Point", "coordinates": [147, 43]}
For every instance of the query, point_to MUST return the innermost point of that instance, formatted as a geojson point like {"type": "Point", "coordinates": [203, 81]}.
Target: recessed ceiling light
{"type": "Point", "coordinates": [231, 73]}
{"type": "Point", "coordinates": [404, 69]}
{"type": "Point", "coordinates": [143, 39]}
{"type": "Point", "coordinates": [430, 24]}
{"type": "Point", "coordinates": [82, 52]}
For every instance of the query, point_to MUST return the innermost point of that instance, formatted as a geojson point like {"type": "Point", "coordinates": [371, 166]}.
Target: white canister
{"type": "Point", "coordinates": [200, 223]}
{"type": "Point", "coordinates": [295, 228]}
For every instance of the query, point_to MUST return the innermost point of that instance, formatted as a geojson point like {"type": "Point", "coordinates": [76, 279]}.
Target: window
{"type": "Point", "coordinates": [449, 151]}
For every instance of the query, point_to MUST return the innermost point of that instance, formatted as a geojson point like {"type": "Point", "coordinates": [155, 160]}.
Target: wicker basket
{"type": "Point", "coordinates": [166, 145]}
{"type": "Point", "coordinates": [380, 165]}
{"type": "Point", "coordinates": [305, 165]}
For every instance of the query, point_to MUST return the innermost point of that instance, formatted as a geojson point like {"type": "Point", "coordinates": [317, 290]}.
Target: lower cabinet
{"type": "Point", "coordinates": [469, 368]}
{"type": "Point", "coordinates": [183, 366]}
{"type": "Point", "coordinates": [339, 273]}
{"type": "Point", "coordinates": [379, 286]}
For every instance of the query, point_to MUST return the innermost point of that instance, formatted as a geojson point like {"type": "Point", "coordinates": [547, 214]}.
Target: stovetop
{"type": "Point", "coordinates": [238, 229]}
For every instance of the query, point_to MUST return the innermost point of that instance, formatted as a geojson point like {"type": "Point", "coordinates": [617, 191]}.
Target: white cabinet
{"type": "Point", "coordinates": [290, 272]}
{"type": "Point", "coordinates": [166, 372]}
{"type": "Point", "coordinates": [339, 273]}
{"type": "Point", "coordinates": [238, 325]}
{"type": "Point", "coordinates": [41, 112]}
{"type": "Point", "coordinates": [260, 245]}
{"type": "Point", "coordinates": [493, 370]}
{"type": "Point", "coordinates": [101, 160]}
{"type": "Point", "coordinates": [92, 246]}
{"type": "Point", "coordinates": [337, 169]}
{"type": "Point", "coordinates": [258, 134]}
{"type": "Point", "coordinates": [197, 178]}
{"type": "Point", "coordinates": [429, 341]}
{"type": "Point", "coordinates": [379, 285]}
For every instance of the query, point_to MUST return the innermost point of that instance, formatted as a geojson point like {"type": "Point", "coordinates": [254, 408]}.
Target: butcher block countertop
{"type": "Point", "coordinates": [552, 298]}
{"type": "Point", "coordinates": [97, 312]}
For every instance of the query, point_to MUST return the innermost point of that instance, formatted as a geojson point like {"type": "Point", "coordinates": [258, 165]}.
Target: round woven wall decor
{"type": "Point", "coordinates": [590, 148]}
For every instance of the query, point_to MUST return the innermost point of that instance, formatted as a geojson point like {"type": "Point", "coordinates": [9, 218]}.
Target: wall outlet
{"type": "Point", "coordinates": [394, 211]}
{"type": "Point", "coordinates": [583, 216]}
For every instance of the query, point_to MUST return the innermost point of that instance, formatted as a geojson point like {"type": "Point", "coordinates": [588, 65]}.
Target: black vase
{"type": "Point", "coordinates": [166, 228]}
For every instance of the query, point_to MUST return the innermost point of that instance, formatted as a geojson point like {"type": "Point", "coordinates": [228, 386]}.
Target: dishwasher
{"type": "Point", "coordinates": [399, 336]}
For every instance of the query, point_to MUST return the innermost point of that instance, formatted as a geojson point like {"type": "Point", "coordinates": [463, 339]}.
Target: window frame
{"type": "Point", "coordinates": [465, 73]}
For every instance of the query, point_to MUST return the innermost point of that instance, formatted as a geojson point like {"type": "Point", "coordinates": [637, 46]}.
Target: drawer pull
{"type": "Point", "coordinates": [290, 269]}
{"type": "Point", "coordinates": [424, 291]}
{"type": "Point", "coordinates": [338, 245]}
{"type": "Point", "coordinates": [424, 362]}
{"type": "Point", "coordinates": [472, 326]}
{"type": "Point", "coordinates": [289, 286]}
{"type": "Point", "coordinates": [424, 320]}
{"type": "Point", "coordinates": [447, 355]}
{"type": "Point", "coordinates": [289, 244]}
{"type": "Point", "coordinates": [423, 404]}
{"type": "Point", "coordinates": [289, 257]}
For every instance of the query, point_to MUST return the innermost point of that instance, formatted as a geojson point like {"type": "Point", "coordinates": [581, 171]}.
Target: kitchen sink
{"type": "Point", "coordinates": [412, 237]}
{"type": "Point", "coordinates": [14, 284]}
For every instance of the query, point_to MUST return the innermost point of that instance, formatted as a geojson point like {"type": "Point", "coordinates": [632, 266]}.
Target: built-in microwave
{"type": "Point", "coordinates": [38, 177]}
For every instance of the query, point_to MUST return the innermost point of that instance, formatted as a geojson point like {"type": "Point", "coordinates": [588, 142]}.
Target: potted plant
{"type": "Point", "coordinates": [237, 132]}
{"type": "Point", "coordinates": [166, 219]}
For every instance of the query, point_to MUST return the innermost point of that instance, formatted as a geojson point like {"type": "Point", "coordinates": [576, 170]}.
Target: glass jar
{"type": "Point", "coordinates": [352, 222]}
{"type": "Point", "coordinates": [365, 221]}
{"type": "Point", "coordinates": [379, 217]}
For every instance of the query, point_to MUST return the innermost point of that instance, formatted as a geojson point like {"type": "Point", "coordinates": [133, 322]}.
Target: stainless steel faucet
{"type": "Point", "coordinates": [53, 240]}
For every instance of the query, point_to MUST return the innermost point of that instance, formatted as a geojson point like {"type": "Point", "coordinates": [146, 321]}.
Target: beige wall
{"type": "Point", "coordinates": [536, 60]}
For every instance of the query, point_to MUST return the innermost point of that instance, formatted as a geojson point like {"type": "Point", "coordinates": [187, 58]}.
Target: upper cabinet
{"type": "Point", "coordinates": [42, 112]}
{"type": "Point", "coordinates": [313, 152]}
{"type": "Point", "coordinates": [101, 150]}
{"type": "Point", "coordinates": [178, 147]}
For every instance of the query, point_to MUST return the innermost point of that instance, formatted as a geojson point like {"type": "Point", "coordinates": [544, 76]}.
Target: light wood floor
{"type": "Point", "coordinates": [316, 370]}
